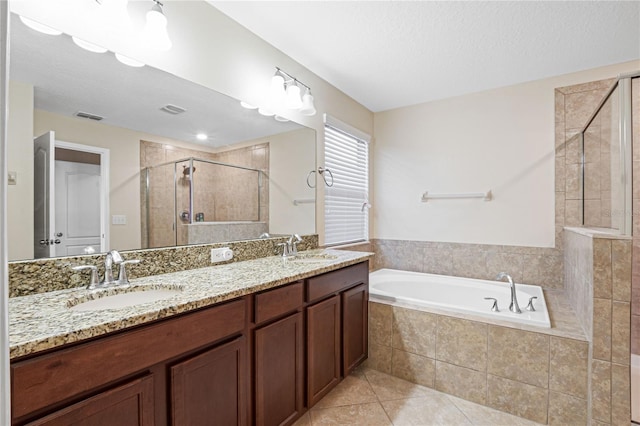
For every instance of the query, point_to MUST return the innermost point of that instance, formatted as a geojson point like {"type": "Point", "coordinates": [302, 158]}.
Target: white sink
{"type": "Point", "coordinates": [313, 258]}
{"type": "Point", "coordinates": [122, 300]}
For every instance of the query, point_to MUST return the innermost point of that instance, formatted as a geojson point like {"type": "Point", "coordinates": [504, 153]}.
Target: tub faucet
{"type": "Point", "coordinates": [513, 307]}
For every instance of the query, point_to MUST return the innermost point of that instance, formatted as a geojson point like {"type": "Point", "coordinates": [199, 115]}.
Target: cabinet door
{"type": "Point", "coordinates": [209, 388]}
{"type": "Point", "coordinates": [127, 405]}
{"type": "Point", "coordinates": [354, 327]}
{"type": "Point", "coordinates": [279, 371]}
{"type": "Point", "coordinates": [323, 348]}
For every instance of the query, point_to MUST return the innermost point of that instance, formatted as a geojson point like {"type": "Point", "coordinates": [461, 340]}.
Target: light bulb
{"type": "Point", "coordinates": [116, 18]}
{"type": "Point", "coordinates": [293, 97]}
{"type": "Point", "coordinates": [37, 26]}
{"type": "Point", "coordinates": [308, 108]}
{"type": "Point", "coordinates": [88, 46]}
{"type": "Point", "coordinates": [277, 93]}
{"type": "Point", "coordinates": [265, 112]}
{"type": "Point", "coordinates": [247, 105]}
{"type": "Point", "coordinates": [155, 30]}
{"type": "Point", "coordinates": [202, 137]}
{"type": "Point", "coordinates": [129, 61]}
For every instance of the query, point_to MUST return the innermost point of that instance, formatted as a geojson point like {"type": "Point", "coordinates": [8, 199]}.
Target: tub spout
{"type": "Point", "coordinates": [513, 307]}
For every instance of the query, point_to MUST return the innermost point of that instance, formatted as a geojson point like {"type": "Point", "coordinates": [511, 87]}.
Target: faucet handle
{"type": "Point", "coordinates": [94, 281]}
{"type": "Point", "coordinates": [530, 305]}
{"type": "Point", "coordinates": [122, 275]}
{"type": "Point", "coordinates": [494, 307]}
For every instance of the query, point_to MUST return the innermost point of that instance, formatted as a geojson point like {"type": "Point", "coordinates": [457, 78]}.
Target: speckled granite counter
{"type": "Point", "coordinates": [44, 321]}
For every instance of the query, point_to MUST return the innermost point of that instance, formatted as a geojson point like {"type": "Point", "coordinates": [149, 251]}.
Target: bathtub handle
{"type": "Point", "coordinates": [494, 307]}
{"type": "Point", "coordinates": [530, 305]}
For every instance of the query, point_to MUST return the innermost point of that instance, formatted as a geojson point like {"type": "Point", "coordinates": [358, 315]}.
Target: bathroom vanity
{"type": "Point", "coordinates": [260, 353]}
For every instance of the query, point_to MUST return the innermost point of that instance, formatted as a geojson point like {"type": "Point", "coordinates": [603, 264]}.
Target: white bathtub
{"type": "Point", "coordinates": [463, 295]}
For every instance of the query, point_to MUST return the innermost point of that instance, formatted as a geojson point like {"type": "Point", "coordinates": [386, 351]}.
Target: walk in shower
{"type": "Point", "coordinates": [197, 201]}
{"type": "Point", "coordinates": [609, 147]}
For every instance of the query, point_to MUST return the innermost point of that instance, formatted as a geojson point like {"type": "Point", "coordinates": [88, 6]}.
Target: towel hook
{"type": "Point", "coordinates": [321, 170]}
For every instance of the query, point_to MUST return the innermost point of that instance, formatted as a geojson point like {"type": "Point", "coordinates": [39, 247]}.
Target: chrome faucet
{"type": "Point", "coordinates": [290, 248]}
{"type": "Point", "coordinates": [513, 307]}
{"type": "Point", "coordinates": [112, 257]}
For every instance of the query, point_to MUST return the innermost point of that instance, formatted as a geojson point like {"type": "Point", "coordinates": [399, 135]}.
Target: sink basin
{"type": "Point", "coordinates": [313, 258]}
{"type": "Point", "coordinates": [121, 300]}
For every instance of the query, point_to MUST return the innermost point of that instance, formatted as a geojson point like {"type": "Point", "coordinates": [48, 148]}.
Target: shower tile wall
{"type": "Point", "coordinates": [221, 205]}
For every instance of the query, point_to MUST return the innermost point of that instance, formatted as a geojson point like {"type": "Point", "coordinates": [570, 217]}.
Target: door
{"type": "Point", "coordinates": [354, 327]}
{"type": "Point", "coordinates": [323, 348]}
{"type": "Point", "coordinates": [43, 194]}
{"type": "Point", "coordinates": [128, 405]}
{"type": "Point", "coordinates": [77, 208]}
{"type": "Point", "coordinates": [279, 371]}
{"type": "Point", "coordinates": [209, 388]}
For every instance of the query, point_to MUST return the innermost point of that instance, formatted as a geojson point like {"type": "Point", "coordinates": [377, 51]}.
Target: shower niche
{"type": "Point", "coordinates": [197, 200]}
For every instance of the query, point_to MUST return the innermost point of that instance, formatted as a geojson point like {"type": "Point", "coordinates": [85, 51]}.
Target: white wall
{"type": "Point", "coordinates": [500, 140]}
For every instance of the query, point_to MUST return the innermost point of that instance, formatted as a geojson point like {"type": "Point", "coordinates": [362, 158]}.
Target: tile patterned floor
{"type": "Point", "coordinates": [369, 398]}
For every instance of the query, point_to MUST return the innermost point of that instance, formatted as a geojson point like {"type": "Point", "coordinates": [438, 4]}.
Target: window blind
{"type": "Point", "coordinates": [346, 213]}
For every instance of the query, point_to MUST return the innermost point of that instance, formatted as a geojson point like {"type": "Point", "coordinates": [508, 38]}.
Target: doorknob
{"type": "Point", "coordinates": [57, 241]}
{"type": "Point", "coordinates": [44, 242]}
{"type": "Point", "coordinates": [59, 234]}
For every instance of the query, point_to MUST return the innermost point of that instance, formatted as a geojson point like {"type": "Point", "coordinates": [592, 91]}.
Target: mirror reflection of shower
{"type": "Point", "coordinates": [224, 202]}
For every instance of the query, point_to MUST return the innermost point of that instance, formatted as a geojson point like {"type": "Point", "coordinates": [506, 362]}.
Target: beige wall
{"type": "Point", "coordinates": [500, 139]}
{"type": "Point", "coordinates": [20, 160]}
{"type": "Point", "coordinates": [215, 51]}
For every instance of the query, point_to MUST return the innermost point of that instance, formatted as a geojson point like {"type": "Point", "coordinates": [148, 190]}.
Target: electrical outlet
{"type": "Point", "coordinates": [221, 254]}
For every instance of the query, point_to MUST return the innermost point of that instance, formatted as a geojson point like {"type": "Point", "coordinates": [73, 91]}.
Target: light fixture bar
{"type": "Point", "coordinates": [291, 78]}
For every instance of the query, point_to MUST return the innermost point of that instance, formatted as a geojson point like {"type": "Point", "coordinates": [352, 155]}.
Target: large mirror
{"type": "Point", "coordinates": [105, 156]}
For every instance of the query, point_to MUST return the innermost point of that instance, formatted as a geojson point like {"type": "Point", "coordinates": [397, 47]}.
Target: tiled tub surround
{"type": "Point", "coordinates": [538, 374]}
{"type": "Point", "coordinates": [45, 275]}
{"type": "Point", "coordinates": [43, 321]}
{"type": "Point", "coordinates": [598, 284]}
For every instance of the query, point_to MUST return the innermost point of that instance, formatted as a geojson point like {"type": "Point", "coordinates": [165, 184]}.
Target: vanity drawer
{"type": "Point", "coordinates": [49, 379]}
{"type": "Point", "coordinates": [336, 281]}
{"type": "Point", "coordinates": [279, 301]}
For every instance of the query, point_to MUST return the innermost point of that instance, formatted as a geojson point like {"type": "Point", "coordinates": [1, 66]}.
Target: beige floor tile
{"type": "Point", "coordinates": [354, 389]}
{"type": "Point", "coordinates": [435, 409]}
{"type": "Point", "coordinates": [387, 387]}
{"type": "Point", "coordinates": [485, 416]}
{"type": "Point", "coordinates": [362, 414]}
{"type": "Point", "coordinates": [305, 420]}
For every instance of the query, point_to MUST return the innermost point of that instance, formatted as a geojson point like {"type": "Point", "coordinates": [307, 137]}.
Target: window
{"type": "Point", "coordinates": [346, 212]}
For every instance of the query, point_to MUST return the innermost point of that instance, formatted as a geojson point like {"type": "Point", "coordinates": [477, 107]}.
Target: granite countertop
{"type": "Point", "coordinates": [43, 321]}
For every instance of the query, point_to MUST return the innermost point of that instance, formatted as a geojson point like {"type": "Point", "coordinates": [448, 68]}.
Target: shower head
{"type": "Point", "coordinates": [187, 171]}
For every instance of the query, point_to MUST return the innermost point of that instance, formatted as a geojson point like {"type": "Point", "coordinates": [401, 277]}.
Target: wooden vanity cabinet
{"type": "Point", "coordinates": [126, 374]}
{"type": "Point", "coordinates": [278, 348]}
{"type": "Point", "coordinates": [336, 327]}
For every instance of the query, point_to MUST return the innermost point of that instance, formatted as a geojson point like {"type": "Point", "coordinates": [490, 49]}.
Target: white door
{"type": "Point", "coordinates": [77, 207]}
{"type": "Point", "coordinates": [43, 193]}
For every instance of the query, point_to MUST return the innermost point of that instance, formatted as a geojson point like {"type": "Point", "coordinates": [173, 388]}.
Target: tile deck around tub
{"type": "Point", "coordinates": [369, 397]}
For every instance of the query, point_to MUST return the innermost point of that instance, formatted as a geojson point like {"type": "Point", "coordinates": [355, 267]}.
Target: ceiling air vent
{"type": "Point", "coordinates": [173, 109]}
{"type": "Point", "coordinates": [94, 117]}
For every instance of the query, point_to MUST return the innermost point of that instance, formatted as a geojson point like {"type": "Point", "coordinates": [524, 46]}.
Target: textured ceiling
{"type": "Point", "coordinates": [389, 54]}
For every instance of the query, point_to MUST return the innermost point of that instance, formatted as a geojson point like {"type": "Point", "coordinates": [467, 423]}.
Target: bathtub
{"type": "Point", "coordinates": [461, 295]}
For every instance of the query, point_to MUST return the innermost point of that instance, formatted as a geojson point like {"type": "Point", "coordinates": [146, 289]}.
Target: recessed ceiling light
{"type": "Point", "coordinates": [202, 137]}
{"type": "Point", "coordinates": [45, 29]}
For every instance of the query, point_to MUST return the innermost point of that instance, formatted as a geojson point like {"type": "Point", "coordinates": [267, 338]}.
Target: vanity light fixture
{"type": "Point", "coordinates": [91, 47]}
{"type": "Point", "coordinates": [285, 87]}
{"type": "Point", "coordinates": [116, 18]}
{"type": "Point", "coordinates": [37, 26]}
{"type": "Point", "coordinates": [155, 30]}
{"type": "Point", "coordinates": [128, 61]}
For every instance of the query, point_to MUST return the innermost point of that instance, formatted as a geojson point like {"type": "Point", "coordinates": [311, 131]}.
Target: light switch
{"type": "Point", "coordinates": [13, 178]}
{"type": "Point", "coordinates": [118, 219]}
